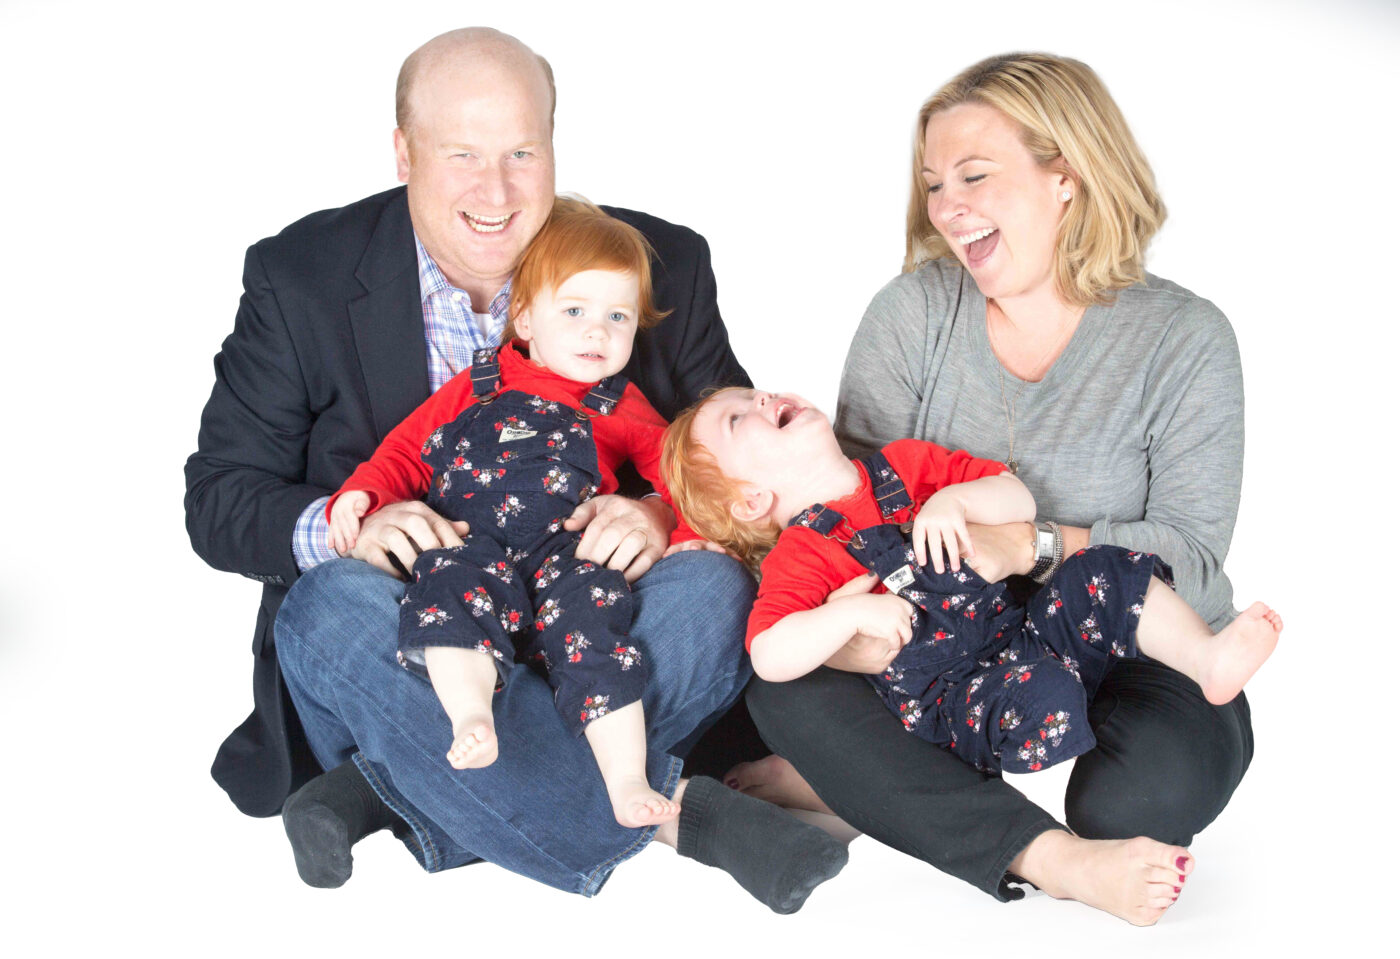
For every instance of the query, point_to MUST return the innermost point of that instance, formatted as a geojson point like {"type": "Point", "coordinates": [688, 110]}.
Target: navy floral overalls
{"type": "Point", "coordinates": [1004, 685]}
{"type": "Point", "coordinates": [514, 466]}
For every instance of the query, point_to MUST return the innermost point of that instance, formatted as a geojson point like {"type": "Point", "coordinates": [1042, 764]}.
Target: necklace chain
{"type": "Point", "coordinates": [1009, 409]}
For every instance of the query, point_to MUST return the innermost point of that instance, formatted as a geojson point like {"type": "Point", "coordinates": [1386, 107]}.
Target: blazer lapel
{"type": "Point", "coordinates": [388, 321]}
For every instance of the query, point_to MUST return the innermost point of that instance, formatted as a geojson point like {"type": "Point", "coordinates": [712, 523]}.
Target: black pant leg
{"type": "Point", "coordinates": [1167, 761]}
{"type": "Point", "coordinates": [907, 793]}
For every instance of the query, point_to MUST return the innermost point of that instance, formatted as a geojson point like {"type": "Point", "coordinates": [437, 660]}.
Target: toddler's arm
{"type": "Point", "coordinates": [800, 642]}
{"type": "Point", "coordinates": [942, 521]}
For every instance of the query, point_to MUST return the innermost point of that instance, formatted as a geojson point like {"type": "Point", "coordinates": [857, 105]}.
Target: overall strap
{"type": "Point", "coordinates": [888, 487]}
{"type": "Point", "coordinates": [486, 372]}
{"type": "Point", "coordinates": [603, 397]}
{"type": "Point", "coordinates": [819, 519]}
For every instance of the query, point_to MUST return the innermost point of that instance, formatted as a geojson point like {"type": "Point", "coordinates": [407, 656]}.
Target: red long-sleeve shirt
{"type": "Point", "coordinates": [805, 566]}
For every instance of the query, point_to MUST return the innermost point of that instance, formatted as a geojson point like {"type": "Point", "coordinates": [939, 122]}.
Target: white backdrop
{"type": "Point", "coordinates": [148, 144]}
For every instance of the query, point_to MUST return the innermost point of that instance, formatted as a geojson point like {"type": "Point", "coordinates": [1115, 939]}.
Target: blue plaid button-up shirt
{"type": "Point", "coordinates": [451, 333]}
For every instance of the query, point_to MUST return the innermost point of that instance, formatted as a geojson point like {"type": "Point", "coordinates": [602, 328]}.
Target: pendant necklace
{"type": "Point", "coordinates": [1009, 409]}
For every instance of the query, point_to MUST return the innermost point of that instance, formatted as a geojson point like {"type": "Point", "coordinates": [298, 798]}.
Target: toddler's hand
{"type": "Point", "coordinates": [345, 520]}
{"type": "Point", "coordinates": [883, 617]}
{"type": "Point", "coordinates": [692, 544]}
{"type": "Point", "coordinates": [941, 525]}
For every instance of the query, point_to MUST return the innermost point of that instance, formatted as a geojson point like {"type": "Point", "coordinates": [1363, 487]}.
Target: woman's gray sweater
{"type": "Point", "coordinates": [1137, 430]}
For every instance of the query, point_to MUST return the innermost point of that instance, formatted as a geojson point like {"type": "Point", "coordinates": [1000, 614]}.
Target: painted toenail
{"type": "Point", "coordinates": [1176, 889]}
{"type": "Point", "coordinates": [1181, 863]}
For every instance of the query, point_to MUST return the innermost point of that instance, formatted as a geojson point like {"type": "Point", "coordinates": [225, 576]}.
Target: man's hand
{"type": "Point", "coordinates": [392, 538]}
{"type": "Point", "coordinates": [870, 650]}
{"type": "Point", "coordinates": [623, 534]}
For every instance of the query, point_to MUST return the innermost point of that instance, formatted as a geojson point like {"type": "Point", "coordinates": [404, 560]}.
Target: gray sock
{"type": "Point", "coordinates": [326, 817]}
{"type": "Point", "coordinates": [779, 859]}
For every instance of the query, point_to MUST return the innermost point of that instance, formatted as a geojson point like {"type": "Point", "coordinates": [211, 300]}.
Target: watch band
{"type": "Point", "coordinates": [1049, 550]}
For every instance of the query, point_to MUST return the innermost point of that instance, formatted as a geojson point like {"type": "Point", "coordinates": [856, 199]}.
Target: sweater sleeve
{"type": "Point", "coordinates": [1193, 406]}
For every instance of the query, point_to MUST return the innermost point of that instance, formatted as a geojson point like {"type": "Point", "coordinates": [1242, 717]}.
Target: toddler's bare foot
{"type": "Point", "coordinates": [774, 780]}
{"type": "Point", "coordinates": [1133, 879]}
{"type": "Point", "coordinates": [636, 804]}
{"type": "Point", "coordinates": [1238, 651]}
{"type": "Point", "coordinates": [474, 745]}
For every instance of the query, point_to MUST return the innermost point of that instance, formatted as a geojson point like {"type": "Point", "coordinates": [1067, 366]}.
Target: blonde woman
{"type": "Point", "coordinates": [1025, 328]}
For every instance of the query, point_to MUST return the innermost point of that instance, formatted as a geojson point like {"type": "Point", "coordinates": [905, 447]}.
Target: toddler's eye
{"type": "Point", "coordinates": [618, 317]}
{"type": "Point", "coordinates": [573, 311]}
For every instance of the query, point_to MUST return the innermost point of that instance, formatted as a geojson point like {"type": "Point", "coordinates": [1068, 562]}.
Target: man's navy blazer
{"type": "Point", "coordinates": [327, 355]}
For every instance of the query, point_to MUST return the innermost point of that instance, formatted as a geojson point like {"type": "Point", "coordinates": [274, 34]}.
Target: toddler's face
{"type": "Point", "coordinates": [762, 438]}
{"type": "Point", "coordinates": [583, 330]}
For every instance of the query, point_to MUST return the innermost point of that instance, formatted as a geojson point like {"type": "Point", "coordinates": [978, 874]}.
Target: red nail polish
{"type": "Point", "coordinates": [1180, 863]}
{"type": "Point", "coordinates": [1176, 889]}
{"type": "Point", "coordinates": [1180, 878]}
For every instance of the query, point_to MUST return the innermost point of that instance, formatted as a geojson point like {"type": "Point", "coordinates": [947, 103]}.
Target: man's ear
{"type": "Point", "coordinates": [754, 504]}
{"type": "Point", "coordinates": [401, 159]}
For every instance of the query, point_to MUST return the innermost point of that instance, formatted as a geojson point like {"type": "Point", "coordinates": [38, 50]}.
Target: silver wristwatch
{"type": "Point", "coordinates": [1049, 550]}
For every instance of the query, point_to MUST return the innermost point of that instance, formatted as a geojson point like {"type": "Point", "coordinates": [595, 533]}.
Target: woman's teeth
{"type": "Point", "coordinates": [967, 238]}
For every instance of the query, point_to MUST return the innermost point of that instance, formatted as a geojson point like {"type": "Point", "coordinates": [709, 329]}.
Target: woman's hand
{"type": "Point", "coordinates": [1002, 551]}
{"type": "Point", "coordinates": [872, 648]}
{"type": "Point", "coordinates": [941, 526]}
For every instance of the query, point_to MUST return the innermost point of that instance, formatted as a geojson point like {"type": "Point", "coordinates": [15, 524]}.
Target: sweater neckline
{"type": "Point", "coordinates": [1090, 325]}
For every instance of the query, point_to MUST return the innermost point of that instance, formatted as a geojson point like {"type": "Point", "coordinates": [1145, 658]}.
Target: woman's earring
{"type": "Point", "coordinates": [1065, 196]}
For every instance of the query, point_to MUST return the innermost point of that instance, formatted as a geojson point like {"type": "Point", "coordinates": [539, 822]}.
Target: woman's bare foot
{"type": "Point", "coordinates": [774, 780]}
{"type": "Point", "coordinates": [474, 744]}
{"type": "Point", "coordinates": [1238, 651]}
{"type": "Point", "coordinates": [636, 804]}
{"type": "Point", "coordinates": [1133, 879]}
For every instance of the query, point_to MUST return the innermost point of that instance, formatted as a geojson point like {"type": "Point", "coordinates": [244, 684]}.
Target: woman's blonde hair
{"type": "Point", "coordinates": [1066, 115]}
{"type": "Point", "coordinates": [579, 236]}
{"type": "Point", "coordinates": [704, 495]}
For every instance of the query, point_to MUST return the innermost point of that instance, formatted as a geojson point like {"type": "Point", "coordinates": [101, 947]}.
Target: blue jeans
{"type": "Point", "coordinates": [541, 809]}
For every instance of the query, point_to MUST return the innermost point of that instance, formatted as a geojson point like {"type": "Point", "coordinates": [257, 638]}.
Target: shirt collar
{"type": "Point", "coordinates": [432, 281]}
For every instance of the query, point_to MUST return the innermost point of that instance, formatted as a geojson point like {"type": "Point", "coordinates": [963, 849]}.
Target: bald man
{"type": "Point", "coordinates": [349, 319]}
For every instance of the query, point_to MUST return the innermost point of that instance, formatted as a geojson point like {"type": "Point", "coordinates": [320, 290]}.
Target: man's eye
{"type": "Point", "coordinates": [520, 154]}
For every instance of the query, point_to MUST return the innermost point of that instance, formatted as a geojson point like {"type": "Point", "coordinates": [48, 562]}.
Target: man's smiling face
{"type": "Point", "coordinates": [479, 163]}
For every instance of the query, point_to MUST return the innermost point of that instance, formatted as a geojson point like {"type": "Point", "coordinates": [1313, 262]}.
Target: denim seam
{"type": "Point", "coordinates": [390, 723]}
{"type": "Point", "coordinates": [430, 858]}
{"type": "Point", "coordinates": [728, 685]}
{"type": "Point", "coordinates": [594, 880]}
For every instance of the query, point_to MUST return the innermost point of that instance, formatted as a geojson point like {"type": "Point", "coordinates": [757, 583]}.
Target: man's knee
{"type": "Point", "coordinates": [336, 603]}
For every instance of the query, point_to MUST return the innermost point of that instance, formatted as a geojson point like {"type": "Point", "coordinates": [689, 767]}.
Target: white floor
{"type": "Point", "coordinates": [148, 143]}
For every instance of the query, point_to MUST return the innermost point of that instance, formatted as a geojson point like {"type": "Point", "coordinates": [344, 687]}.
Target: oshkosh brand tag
{"type": "Point", "coordinates": [510, 433]}
{"type": "Point", "coordinates": [899, 579]}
